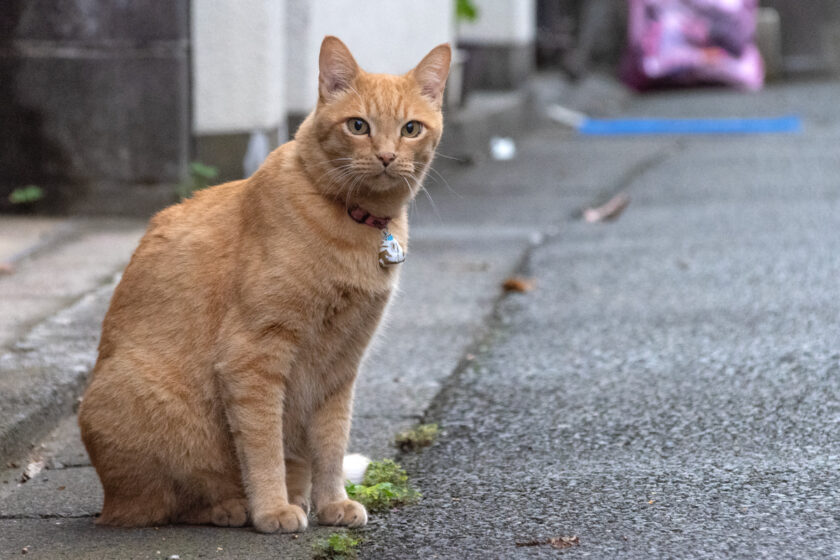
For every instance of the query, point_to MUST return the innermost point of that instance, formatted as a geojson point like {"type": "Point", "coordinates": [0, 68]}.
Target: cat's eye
{"type": "Point", "coordinates": [412, 129]}
{"type": "Point", "coordinates": [358, 126]}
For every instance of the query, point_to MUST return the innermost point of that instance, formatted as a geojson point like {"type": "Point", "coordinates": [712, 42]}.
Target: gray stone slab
{"type": "Point", "coordinates": [80, 539]}
{"type": "Point", "coordinates": [42, 377]}
{"type": "Point", "coordinates": [73, 492]}
{"type": "Point", "coordinates": [17, 234]}
{"type": "Point", "coordinates": [64, 448]}
{"type": "Point", "coordinates": [22, 313]}
{"type": "Point", "coordinates": [86, 262]}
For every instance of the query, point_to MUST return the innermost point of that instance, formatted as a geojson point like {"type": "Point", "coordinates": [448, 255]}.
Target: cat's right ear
{"type": "Point", "coordinates": [337, 68]}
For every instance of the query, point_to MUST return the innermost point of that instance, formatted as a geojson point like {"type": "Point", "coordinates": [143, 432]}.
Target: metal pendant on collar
{"type": "Point", "coordinates": [390, 251]}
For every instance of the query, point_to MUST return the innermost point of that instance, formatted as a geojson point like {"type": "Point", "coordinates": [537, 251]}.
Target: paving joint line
{"type": "Point", "coordinates": [47, 516]}
{"type": "Point", "coordinates": [59, 237]}
{"type": "Point", "coordinates": [629, 177]}
{"type": "Point", "coordinates": [487, 332]}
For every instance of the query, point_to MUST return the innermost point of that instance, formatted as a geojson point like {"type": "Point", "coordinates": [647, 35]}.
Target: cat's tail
{"type": "Point", "coordinates": [355, 466]}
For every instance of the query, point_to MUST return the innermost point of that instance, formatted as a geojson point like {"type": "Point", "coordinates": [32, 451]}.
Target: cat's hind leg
{"type": "Point", "coordinates": [134, 499]}
{"type": "Point", "coordinates": [232, 512]}
{"type": "Point", "coordinates": [213, 500]}
{"type": "Point", "coordinates": [299, 482]}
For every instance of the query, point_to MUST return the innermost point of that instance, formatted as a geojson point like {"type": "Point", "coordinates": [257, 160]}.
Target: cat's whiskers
{"type": "Point", "coordinates": [329, 161]}
{"type": "Point", "coordinates": [357, 182]}
{"type": "Point", "coordinates": [407, 184]}
{"type": "Point", "coordinates": [343, 186]}
{"type": "Point", "coordinates": [453, 158]}
{"type": "Point", "coordinates": [339, 174]}
{"type": "Point", "coordinates": [428, 195]}
{"type": "Point", "coordinates": [440, 178]}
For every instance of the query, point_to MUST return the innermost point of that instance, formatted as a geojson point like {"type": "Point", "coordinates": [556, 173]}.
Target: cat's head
{"type": "Point", "coordinates": [373, 133]}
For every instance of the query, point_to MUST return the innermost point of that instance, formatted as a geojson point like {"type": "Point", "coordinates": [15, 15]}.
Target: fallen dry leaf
{"type": "Point", "coordinates": [553, 542]}
{"type": "Point", "coordinates": [518, 284]}
{"type": "Point", "coordinates": [610, 210]}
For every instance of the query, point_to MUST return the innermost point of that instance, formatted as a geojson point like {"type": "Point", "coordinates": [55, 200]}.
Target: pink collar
{"type": "Point", "coordinates": [362, 216]}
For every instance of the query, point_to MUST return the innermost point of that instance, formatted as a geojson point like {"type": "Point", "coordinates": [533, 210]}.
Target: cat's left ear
{"type": "Point", "coordinates": [432, 71]}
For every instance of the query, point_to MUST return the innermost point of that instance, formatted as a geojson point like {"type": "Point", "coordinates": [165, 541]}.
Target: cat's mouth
{"type": "Point", "coordinates": [393, 179]}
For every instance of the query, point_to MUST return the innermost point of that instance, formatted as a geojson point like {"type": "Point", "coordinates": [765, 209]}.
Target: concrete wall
{"type": "Point", "coordinates": [383, 35]}
{"type": "Point", "coordinates": [94, 101]}
{"type": "Point", "coordinates": [500, 43]}
{"type": "Point", "coordinates": [501, 22]}
{"type": "Point", "coordinates": [239, 60]}
{"type": "Point", "coordinates": [810, 34]}
{"type": "Point", "coordinates": [238, 65]}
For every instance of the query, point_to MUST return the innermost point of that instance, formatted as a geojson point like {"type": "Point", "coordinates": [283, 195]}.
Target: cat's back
{"type": "Point", "coordinates": [175, 282]}
{"type": "Point", "coordinates": [201, 220]}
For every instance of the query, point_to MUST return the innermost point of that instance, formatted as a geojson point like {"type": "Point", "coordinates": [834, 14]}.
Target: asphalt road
{"type": "Point", "coordinates": [669, 389]}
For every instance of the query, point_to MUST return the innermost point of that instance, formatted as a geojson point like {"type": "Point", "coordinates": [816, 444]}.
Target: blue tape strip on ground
{"type": "Point", "coordinates": [617, 127]}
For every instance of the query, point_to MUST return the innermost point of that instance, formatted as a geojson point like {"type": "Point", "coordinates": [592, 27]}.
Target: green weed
{"type": "Point", "coordinates": [385, 486]}
{"type": "Point", "coordinates": [26, 195]}
{"type": "Point", "coordinates": [466, 10]}
{"type": "Point", "coordinates": [338, 546]}
{"type": "Point", "coordinates": [422, 435]}
{"type": "Point", "coordinates": [201, 176]}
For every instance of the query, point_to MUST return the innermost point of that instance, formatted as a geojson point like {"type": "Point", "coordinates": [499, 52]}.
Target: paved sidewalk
{"type": "Point", "coordinates": [55, 261]}
{"type": "Point", "coordinates": [450, 284]}
{"type": "Point", "coordinates": [50, 319]}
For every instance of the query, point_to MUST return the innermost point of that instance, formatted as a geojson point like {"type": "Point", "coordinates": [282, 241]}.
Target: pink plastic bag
{"type": "Point", "coordinates": [685, 42]}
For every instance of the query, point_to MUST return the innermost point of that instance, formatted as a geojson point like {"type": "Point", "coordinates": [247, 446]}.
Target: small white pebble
{"type": "Point", "coordinates": [355, 466]}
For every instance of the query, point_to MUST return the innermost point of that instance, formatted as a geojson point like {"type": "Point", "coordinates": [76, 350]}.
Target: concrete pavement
{"type": "Point", "coordinates": [669, 389]}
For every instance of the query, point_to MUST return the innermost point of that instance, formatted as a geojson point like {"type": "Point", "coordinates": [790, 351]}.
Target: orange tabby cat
{"type": "Point", "coordinates": [224, 383]}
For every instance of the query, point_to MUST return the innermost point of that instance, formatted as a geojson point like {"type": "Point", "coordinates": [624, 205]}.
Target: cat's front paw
{"type": "Point", "coordinates": [286, 519]}
{"type": "Point", "coordinates": [344, 512]}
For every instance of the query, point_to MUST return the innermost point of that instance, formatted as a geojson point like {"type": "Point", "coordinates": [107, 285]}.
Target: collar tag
{"type": "Point", "coordinates": [390, 251]}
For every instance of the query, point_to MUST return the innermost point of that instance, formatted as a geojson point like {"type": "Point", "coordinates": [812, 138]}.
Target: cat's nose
{"type": "Point", "coordinates": [386, 157]}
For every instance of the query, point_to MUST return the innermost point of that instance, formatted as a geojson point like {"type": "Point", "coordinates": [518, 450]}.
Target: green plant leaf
{"type": "Point", "coordinates": [200, 178]}
{"type": "Point", "coordinates": [205, 171]}
{"type": "Point", "coordinates": [385, 486]}
{"type": "Point", "coordinates": [466, 10]}
{"type": "Point", "coordinates": [26, 195]}
{"type": "Point", "coordinates": [338, 546]}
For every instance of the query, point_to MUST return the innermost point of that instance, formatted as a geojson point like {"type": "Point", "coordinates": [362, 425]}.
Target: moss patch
{"type": "Point", "coordinates": [422, 435]}
{"type": "Point", "coordinates": [385, 486]}
{"type": "Point", "coordinates": [338, 546]}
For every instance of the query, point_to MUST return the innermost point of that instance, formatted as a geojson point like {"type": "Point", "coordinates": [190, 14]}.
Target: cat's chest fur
{"type": "Point", "coordinates": [327, 303]}
{"type": "Point", "coordinates": [339, 331]}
